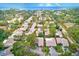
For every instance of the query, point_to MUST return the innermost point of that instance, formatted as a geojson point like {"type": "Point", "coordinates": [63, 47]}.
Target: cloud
{"type": "Point", "coordinates": [45, 5]}
{"type": "Point", "coordinates": [58, 4]}
{"type": "Point", "coordinates": [48, 4]}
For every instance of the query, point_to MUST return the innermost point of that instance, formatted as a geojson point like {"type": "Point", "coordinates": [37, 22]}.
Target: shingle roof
{"type": "Point", "coordinates": [58, 40]}
{"type": "Point", "coordinates": [65, 42]}
{"type": "Point", "coordinates": [62, 41]}
{"type": "Point", "coordinates": [50, 42]}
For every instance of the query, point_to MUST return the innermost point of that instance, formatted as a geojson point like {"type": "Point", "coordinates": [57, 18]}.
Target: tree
{"type": "Point", "coordinates": [15, 25]}
{"type": "Point", "coordinates": [3, 23]}
{"type": "Point", "coordinates": [74, 33]}
{"type": "Point", "coordinates": [3, 34]}
{"type": "Point", "coordinates": [46, 50]}
{"type": "Point", "coordinates": [1, 45]}
{"type": "Point", "coordinates": [59, 48]}
{"type": "Point", "coordinates": [41, 34]}
{"type": "Point", "coordinates": [76, 21]}
{"type": "Point", "coordinates": [67, 53]}
{"type": "Point", "coordinates": [20, 48]}
{"type": "Point", "coordinates": [52, 30]}
{"type": "Point", "coordinates": [73, 48]}
{"type": "Point", "coordinates": [31, 39]}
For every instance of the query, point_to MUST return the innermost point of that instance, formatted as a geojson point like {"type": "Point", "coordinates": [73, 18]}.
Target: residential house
{"type": "Point", "coordinates": [40, 41]}
{"type": "Point", "coordinates": [50, 42]}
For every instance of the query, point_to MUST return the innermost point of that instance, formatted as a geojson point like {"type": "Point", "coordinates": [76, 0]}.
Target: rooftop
{"type": "Point", "coordinates": [40, 41]}
{"type": "Point", "coordinates": [50, 42]}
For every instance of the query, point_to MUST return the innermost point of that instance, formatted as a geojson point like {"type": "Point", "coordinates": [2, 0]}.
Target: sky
{"type": "Point", "coordinates": [30, 6]}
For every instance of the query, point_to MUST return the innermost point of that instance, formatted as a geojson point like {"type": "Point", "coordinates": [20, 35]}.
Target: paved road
{"type": "Point", "coordinates": [6, 52]}
{"type": "Point", "coordinates": [65, 32]}
{"type": "Point", "coordinates": [53, 52]}
{"type": "Point", "coordinates": [38, 51]}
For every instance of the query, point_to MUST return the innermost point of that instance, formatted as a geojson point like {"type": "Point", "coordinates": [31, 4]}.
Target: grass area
{"type": "Point", "coordinates": [41, 34]}
{"type": "Point", "coordinates": [59, 48]}
{"type": "Point", "coordinates": [1, 45]}
{"type": "Point", "coordinates": [46, 50]}
{"type": "Point", "coordinates": [73, 48]}
{"type": "Point", "coordinates": [67, 53]}
{"type": "Point", "coordinates": [52, 30]}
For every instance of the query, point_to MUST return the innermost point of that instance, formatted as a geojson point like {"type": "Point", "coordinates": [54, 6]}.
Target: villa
{"type": "Point", "coordinates": [65, 42]}
{"type": "Point", "coordinates": [62, 41]}
{"type": "Point", "coordinates": [50, 42]}
{"type": "Point", "coordinates": [58, 40]}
